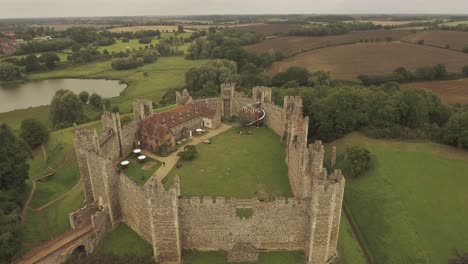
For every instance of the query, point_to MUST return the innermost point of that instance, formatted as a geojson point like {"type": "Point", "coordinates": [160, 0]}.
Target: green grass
{"type": "Point", "coordinates": [348, 247]}
{"type": "Point", "coordinates": [455, 23]}
{"type": "Point", "coordinates": [244, 212]}
{"type": "Point", "coordinates": [237, 165]}
{"type": "Point", "coordinates": [50, 222]}
{"type": "Point", "coordinates": [220, 257]}
{"type": "Point", "coordinates": [135, 169]}
{"type": "Point", "coordinates": [120, 46]}
{"type": "Point", "coordinates": [411, 206]}
{"type": "Point", "coordinates": [124, 241]}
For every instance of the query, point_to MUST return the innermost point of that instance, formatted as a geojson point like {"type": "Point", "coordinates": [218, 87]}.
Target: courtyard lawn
{"type": "Point", "coordinates": [124, 241]}
{"type": "Point", "coordinates": [237, 165]}
{"type": "Point", "coordinates": [138, 171]}
{"type": "Point", "coordinates": [411, 207]}
{"type": "Point", "coordinates": [220, 257]}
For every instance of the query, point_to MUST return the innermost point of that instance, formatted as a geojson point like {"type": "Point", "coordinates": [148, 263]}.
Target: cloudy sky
{"type": "Point", "coordinates": [63, 8]}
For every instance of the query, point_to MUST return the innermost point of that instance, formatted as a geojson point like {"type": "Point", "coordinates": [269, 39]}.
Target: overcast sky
{"type": "Point", "coordinates": [64, 8]}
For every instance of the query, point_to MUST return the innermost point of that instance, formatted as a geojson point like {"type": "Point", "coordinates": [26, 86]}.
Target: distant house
{"type": "Point", "coordinates": [43, 38]}
{"type": "Point", "coordinates": [7, 46]}
{"type": "Point", "coordinates": [167, 127]}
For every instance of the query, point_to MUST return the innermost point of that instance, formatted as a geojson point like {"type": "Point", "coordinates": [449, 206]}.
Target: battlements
{"type": "Point", "coordinates": [239, 203]}
{"type": "Point", "coordinates": [142, 109]}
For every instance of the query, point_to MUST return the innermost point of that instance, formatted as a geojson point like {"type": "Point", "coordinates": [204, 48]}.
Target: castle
{"type": "Point", "coordinates": [170, 222]}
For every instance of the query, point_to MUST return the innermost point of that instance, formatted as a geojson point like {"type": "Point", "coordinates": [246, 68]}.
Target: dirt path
{"type": "Point", "coordinates": [26, 205]}
{"type": "Point", "coordinates": [357, 236]}
{"type": "Point", "coordinates": [171, 160]}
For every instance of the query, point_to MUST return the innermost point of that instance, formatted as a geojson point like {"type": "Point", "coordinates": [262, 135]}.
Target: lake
{"type": "Point", "coordinates": [36, 93]}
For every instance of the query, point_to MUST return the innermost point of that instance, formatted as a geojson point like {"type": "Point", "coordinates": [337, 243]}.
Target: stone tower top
{"type": "Point", "coordinates": [227, 90]}
{"type": "Point", "coordinates": [262, 94]}
{"type": "Point", "coordinates": [142, 109]}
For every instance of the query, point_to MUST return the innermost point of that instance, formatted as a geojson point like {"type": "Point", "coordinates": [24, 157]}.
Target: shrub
{"type": "Point", "coordinates": [130, 62]}
{"type": "Point", "coordinates": [189, 153]}
{"type": "Point", "coordinates": [421, 42]}
{"type": "Point", "coordinates": [33, 132]}
{"type": "Point", "coordinates": [96, 101]}
{"type": "Point", "coordinates": [84, 96]}
{"type": "Point", "coordinates": [357, 160]}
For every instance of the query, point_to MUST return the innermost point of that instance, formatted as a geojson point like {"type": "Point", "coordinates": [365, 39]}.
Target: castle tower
{"type": "Point", "coordinates": [142, 109]}
{"type": "Point", "coordinates": [184, 98]}
{"type": "Point", "coordinates": [111, 125]}
{"type": "Point", "coordinates": [227, 95]}
{"type": "Point", "coordinates": [261, 94]}
{"type": "Point", "coordinates": [325, 216]}
{"type": "Point", "coordinates": [165, 226]}
{"type": "Point", "coordinates": [85, 141]}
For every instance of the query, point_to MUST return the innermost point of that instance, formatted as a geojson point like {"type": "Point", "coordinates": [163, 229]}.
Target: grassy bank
{"type": "Point", "coordinates": [411, 205]}
{"type": "Point", "coordinates": [124, 241]}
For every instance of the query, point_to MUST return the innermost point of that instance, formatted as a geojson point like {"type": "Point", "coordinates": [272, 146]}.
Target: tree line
{"type": "Point", "coordinates": [337, 28]}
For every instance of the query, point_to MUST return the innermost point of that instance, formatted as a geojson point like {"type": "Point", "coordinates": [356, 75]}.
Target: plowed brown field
{"type": "Point", "coordinates": [293, 45]}
{"type": "Point", "coordinates": [440, 38]}
{"type": "Point", "coordinates": [348, 61]}
{"type": "Point", "coordinates": [450, 92]}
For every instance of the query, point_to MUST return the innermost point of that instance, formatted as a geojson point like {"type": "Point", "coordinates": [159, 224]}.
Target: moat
{"type": "Point", "coordinates": [36, 93]}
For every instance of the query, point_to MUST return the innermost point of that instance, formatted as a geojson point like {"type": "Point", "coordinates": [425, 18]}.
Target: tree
{"type": "Point", "coordinates": [84, 96]}
{"type": "Point", "coordinates": [164, 47]}
{"type": "Point", "coordinates": [217, 71]}
{"type": "Point", "coordinates": [96, 101]}
{"type": "Point", "coordinates": [32, 63]}
{"type": "Point", "coordinates": [105, 52]}
{"type": "Point", "coordinates": [10, 72]}
{"type": "Point", "coordinates": [299, 74]}
{"type": "Point", "coordinates": [421, 42]}
{"type": "Point", "coordinates": [357, 160]}
{"type": "Point", "coordinates": [149, 56]}
{"type": "Point", "coordinates": [456, 131]}
{"type": "Point", "coordinates": [33, 132]}
{"type": "Point", "coordinates": [50, 58]}
{"type": "Point", "coordinates": [465, 49]}
{"type": "Point", "coordinates": [180, 29]}
{"type": "Point", "coordinates": [13, 156]}
{"type": "Point", "coordinates": [65, 108]}
{"type": "Point", "coordinates": [189, 153]}
{"type": "Point", "coordinates": [465, 71]}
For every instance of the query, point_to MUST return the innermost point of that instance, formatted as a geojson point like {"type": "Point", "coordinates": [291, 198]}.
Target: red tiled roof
{"type": "Point", "coordinates": [179, 115]}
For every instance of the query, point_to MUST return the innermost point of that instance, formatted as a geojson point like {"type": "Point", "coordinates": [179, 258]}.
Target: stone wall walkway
{"type": "Point", "coordinates": [172, 159]}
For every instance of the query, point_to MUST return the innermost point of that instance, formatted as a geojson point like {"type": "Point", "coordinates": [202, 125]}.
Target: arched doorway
{"type": "Point", "coordinates": [79, 251]}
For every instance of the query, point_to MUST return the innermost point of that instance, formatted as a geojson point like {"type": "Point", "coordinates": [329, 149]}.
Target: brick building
{"type": "Point", "coordinates": [167, 127]}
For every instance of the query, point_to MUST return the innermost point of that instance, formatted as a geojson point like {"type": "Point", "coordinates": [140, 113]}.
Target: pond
{"type": "Point", "coordinates": [36, 93]}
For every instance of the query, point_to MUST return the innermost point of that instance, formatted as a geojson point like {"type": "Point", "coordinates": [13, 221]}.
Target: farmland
{"type": "Point", "coordinates": [292, 45]}
{"type": "Point", "coordinates": [348, 61]}
{"type": "Point", "coordinates": [267, 29]}
{"type": "Point", "coordinates": [450, 92]}
{"type": "Point", "coordinates": [441, 38]}
{"type": "Point", "coordinates": [169, 28]}
{"type": "Point", "coordinates": [455, 23]}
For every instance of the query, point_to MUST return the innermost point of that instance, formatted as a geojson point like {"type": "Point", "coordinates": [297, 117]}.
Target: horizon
{"type": "Point", "coordinates": [23, 9]}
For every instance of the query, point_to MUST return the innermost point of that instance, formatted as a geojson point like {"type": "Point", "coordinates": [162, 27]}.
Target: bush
{"type": "Point", "coordinates": [149, 56]}
{"type": "Point", "coordinates": [96, 101]}
{"type": "Point", "coordinates": [10, 72]}
{"type": "Point", "coordinates": [357, 160]}
{"type": "Point", "coordinates": [33, 132]}
{"type": "Point", "coordinates": [465, 49]}
{"type": "Point", "coordinates": [465, 71]}
{"type": "Point", "coordinates": [130, 62]}
{"type": "Point", "coordinates": [189, 153]}
{"type": "Point", "coordinates": [145, 40]}
{"type": "Point", "coordinates": [84, 96]}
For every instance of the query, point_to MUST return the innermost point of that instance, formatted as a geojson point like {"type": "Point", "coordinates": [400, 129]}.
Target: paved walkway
{"type": "Point", "coordinates": [172, 159]}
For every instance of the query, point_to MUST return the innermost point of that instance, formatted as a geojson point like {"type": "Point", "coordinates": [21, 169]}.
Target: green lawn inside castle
{"type": "Point", "coordinates": [235, 164]}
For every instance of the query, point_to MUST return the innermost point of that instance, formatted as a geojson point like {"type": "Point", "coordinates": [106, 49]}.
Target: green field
{"type": "Point", "coordinates": [455, 23]}
{"type": "Point", "coordinates": [124, 241]}
{"type": "Point", "coordinates": [348, 247]}
{"type": "Point", "coordinates": [237, 165]}
{"type": "Point", "coordinates": [411, 207]}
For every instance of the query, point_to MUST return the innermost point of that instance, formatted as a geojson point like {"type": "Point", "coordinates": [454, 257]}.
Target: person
{"type": "Point", "coordinates": [164, 164]}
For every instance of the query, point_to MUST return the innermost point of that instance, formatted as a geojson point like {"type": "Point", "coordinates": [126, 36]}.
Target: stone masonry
{"type": "Point", "coordinates": [169, 222]}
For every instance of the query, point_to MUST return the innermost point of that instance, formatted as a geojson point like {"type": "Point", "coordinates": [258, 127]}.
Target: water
{"type": "Point", "coordinates": [36, 93]}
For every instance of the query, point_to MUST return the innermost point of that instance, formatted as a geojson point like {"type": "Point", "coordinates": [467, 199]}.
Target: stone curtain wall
{"type": "Point", "coordinates": [275, 118]}
{"type": "Point", "coordinates": [134, 205]}
{"type": "Point", "coordinates": [208, 224]}
{"type": "Point", "coordinates": [128, 135]}
{"type": "Point", "coordinates": [82, 217]}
